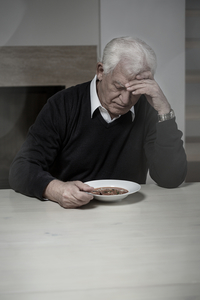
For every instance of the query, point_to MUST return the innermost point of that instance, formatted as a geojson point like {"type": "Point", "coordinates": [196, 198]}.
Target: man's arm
{"type": "Point", "coordinates": [164, 147]}
{"type": "Point", "coordinates": [29, 172]}
{"type": "Point", "coordinates": [166, 155]}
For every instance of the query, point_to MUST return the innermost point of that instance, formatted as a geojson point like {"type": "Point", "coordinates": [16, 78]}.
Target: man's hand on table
{"type": "Point", "coordinates": [144, 83]}
{"type": "Point", "coordinates": [69, 194]}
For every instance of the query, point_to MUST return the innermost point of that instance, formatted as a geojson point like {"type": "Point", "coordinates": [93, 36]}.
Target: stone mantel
{"type": "Point", "coordinates": [46, 65]}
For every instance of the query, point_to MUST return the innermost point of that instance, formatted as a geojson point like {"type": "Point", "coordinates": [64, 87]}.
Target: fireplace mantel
{"type": "Point", "coordinates": [46, 65]}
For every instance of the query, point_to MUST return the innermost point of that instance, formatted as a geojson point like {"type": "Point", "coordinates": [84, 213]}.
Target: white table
{"type": "Point", "coordinates": [145, 247]}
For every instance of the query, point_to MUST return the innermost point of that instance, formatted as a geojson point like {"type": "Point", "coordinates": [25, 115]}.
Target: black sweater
{"type": "Point", "coordinates": [67, 144]}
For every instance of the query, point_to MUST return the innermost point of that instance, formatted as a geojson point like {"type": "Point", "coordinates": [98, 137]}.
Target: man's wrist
{"type": "Point", "coordinates": [50, 192]}
{"type": "Point", "coordinates": [165, 117]}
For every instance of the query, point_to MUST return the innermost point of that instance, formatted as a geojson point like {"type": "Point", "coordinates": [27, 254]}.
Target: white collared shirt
{"type": "Point", "coordinates": [95, 103]}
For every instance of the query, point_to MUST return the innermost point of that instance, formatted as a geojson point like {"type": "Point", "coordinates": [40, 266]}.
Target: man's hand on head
{"type": "Point", "coordinates": [71, 194]}
{"type": "Point", "coordinates": [144, 83]}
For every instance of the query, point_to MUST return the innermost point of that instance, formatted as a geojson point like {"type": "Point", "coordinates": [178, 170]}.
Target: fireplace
{"type": "Point", "coordinates": [19, 107]}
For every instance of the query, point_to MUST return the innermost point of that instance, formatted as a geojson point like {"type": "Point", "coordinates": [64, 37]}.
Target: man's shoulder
{"type": "Point", "coordinates": [81, 88]}
{"type": "Point", "coordinates": [68, 103]}
{"type": "Point", "coordinates": [71, 94]}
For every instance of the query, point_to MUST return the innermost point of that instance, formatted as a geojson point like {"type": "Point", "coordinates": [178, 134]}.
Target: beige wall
{"type": "Point", "coordinates": [49, 22]}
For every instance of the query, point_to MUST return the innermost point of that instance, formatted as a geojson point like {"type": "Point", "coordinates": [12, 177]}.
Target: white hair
{"type": "Point", "coordinates": [135, 55]}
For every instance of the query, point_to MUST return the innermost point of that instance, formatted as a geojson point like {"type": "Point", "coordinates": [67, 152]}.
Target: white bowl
{"type": "Point", "coordinates": [131, 186]}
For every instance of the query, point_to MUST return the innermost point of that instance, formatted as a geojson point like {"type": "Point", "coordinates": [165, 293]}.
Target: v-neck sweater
{"type": "Point", "coordinates": [67, 144]}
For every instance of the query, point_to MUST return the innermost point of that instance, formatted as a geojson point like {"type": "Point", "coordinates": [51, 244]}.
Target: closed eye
{"type": "Point", "coordinates": [120, 88]}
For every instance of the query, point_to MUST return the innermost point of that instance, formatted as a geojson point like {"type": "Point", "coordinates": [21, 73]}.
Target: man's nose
{"type": "Point", "coordinates": [125, 96]}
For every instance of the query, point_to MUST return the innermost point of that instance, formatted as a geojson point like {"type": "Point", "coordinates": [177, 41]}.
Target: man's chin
{"type": "Point", "coordinates": [118, 112]}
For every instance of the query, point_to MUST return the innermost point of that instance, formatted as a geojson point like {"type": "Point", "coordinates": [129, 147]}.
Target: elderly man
{"type": "Point", "coordinates": [119, 125]}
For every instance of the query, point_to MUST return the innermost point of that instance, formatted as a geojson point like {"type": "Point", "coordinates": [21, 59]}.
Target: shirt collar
{"type": "Point", "coordinates": [95, 102]}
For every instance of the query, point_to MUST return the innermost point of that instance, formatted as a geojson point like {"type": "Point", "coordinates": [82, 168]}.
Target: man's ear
{"type": "Point", "coordinates": [99, 71]}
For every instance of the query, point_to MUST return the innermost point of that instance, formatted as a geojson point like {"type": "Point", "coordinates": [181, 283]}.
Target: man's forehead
{"type": "Point", "coordinates": [122, 79]}
{"type": "Point", "coordinates": [122, 75]}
